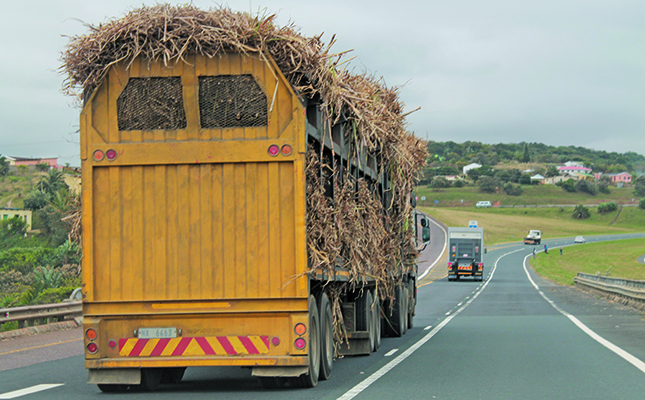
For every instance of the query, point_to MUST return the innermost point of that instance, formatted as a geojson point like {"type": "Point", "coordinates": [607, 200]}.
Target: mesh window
{"type": "Point", "coordinates": [151, 103]}
{"type": "Point", "coordinates": [227, 101]}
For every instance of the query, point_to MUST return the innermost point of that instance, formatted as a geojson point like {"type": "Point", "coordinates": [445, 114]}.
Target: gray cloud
{"type": "Point", "coordinates": [568, 72]}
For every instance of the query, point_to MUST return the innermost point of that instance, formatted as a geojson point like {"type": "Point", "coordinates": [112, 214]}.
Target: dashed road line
{"type": "Point", "coordinates": [29, 390]}
{"type": "Point", "coordinates": [389, 353]}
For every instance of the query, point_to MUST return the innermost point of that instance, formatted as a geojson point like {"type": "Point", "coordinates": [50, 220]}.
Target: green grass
{"type": "Point", "coordinates": [533, 195]}
{"type": "Point", "coordinates": [618, 257]}
{"type": "Point", "coordinates": [504, 225]}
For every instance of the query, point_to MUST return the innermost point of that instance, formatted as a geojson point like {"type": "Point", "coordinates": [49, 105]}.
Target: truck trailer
{"type": "Point", "coordinates": [466, 253]}
{"type": "Point", "coordinates": [195, 218]}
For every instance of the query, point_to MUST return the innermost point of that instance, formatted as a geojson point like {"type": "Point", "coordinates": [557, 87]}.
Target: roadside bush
{"type": "Point", "coordinates": [458, 183]}
{"type": "Point", "coordinates": [568, 185]}
{"type": "Point", "coordinates": [439, 182]}
{"type": "Point", "coordinates": [513, 190]}
{"type": "Point", "coordinates": [525, 179]}
{"type": "Point", "coordinates": [603, 187]}
{"type": "Point", "coordinates": [488, 184]}
{"type": "Point", "coordinates": [639, 186]}
{"type": "Point", "coordinates": [604, 208]}
{"type": "Point", "coordinates": [54, 295]}
{"type": "Point", "coordinates": [581, 212]}
{"type": "Point", "coordinates": [36, 200]}
{"type": "Point", "coordinates": [585, 186]}
{"type": "Point", "coordinates": [641, 204]}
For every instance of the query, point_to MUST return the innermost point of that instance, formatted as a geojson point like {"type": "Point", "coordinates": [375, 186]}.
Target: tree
{"type": "Point", "coordinates": [526, 157]}
{"type": "Point", "coordinates": [42, 167]}
{"type": "Point", "coordinates": [641, 204]}
{"type": "Point", "coordinates": [552, 171]}
{"type": "Point", "coordinates": [569, 185]}
{"type": "Point", "coordinates": [639, 186]}
{"type": "Point", "coordinates": [473, 174]}
{"type": "Point", "coordinates": [4, 166]}
{"type": "Point", "coordinates": [488, 184]}
{"type": "Point", "coordinates": [603, 187]}
{"type": "Point", "coordinates": [585, 186]}
{"type": "Point", "coordinates": [512, 190]}
{"type": "Point", "coordinates": [53, 182]}
{"type": "Point", "coordinates": [581, 212]}
{"type": "Point", "coordinates": [36, 200]}
{"type": "Point", "coordinates": [525, 179]}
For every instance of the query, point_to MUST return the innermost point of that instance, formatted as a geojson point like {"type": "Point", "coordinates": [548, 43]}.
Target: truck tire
{"type": "Point", "coordinates": [395, 314]}
{"type": "Point", "coordinates": [150, 378]}
{"type": "Point", "coordinates": [173, 375]}
{"type": "Point", "coordinates": [411, 304]}
{"type": "Point", "coordinates": [109, 388]}
{"type": "Point", "coordinates": [376, 321]}
{"type": "Point", "coordinates": [310, 379]}
{"type": "Point", "coordinates": [327, 337]}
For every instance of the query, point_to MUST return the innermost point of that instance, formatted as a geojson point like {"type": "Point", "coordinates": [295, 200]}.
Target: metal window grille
{"type": "Point", "coordinates": [227, 101]}
{"type": "Point", "coordinates": [151, 103]}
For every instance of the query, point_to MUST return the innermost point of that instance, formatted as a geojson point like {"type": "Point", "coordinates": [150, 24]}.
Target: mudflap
{"type": "Point", "coordinates": [114, 376]}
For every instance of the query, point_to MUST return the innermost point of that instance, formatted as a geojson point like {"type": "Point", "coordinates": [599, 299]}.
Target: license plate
{"type": "Point", "coordinates": [157, 333]}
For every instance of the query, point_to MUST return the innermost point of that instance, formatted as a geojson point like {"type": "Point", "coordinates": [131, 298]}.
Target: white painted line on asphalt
{"type": "Point", "coordinates": [356, 390]}
{"type": "Point", "coordinates": [427, 327]}
{"type": "Point", "coordinates": [448, 313]}
{"type": "Point", "coordinates": [459, 305]}
{"type": "Point", "coordinates": [389, 353]}
{"type": "Point", "coordinates": [445, 244]}
{"type": "Point", "coordinates": [29, 390]}
{"type": "Point", "coordinates": [622, 353]}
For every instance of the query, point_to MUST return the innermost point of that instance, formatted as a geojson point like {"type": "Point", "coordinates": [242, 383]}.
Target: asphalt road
{"type": "Point", "coordinates": [497, 339]}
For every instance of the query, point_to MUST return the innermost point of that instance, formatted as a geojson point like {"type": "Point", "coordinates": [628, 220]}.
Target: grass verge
{"type": "Point", "coordinates": [618, 258]}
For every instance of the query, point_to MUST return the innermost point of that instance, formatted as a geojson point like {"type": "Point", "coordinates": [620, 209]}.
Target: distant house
{"type": "Point", "coordinates": [471, 166]}
{"type": "Point", "coordinates": [537, 178]}
{"type": "Point", "coordinates": [8, 213]}
{"type": "Point", "coordinates": [452, 178]}
{"type": "Point", "coordinates": [623, 177]}
{"type": "Point", "coordinates": [573, 164]}
{"type": "Point", "coordinates": [552, 180]}
{"type": "Point", "coordinates": [17, 161]}
{"type": "Point", "coordinates": [570, 169]}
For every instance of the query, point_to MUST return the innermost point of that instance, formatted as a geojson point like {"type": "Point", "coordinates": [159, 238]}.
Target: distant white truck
{"type": "Point", "coordinates": [466, 256]}
{"type": "Point", "coordinates": [534, 237]}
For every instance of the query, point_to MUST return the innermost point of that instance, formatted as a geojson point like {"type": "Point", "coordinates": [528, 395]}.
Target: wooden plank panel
{"type": "Point", "coordinates": [287, 229]}
{"type": "Point", "coordinates": [172, 209]}
{"type": "Point", "coordinates": [206, 242]}
{"type": "Point", "coordinates": [273, 129]}
{"type": "Point", "coordinates": [128, 250]}
{"type": "Point", "coordinates": [138, 261]}
{"type": "Point", "coordinates": [101, 261]}
{"type": "Point", "coordinates": [185, 274]}
{"type": "Point", "coordinates": [194, 233]}
{"type": "Point", "coordinates": [239, 232]}
{"type": "Point", "coordinates": [263, 230]}
{"type": "Point", "coordinates": [148, 270]}
{"type": "Point", "coordinates": [251, 219]}
{"type": "Point", "coordinates": [218, 231]}
{"type": "Point", "coordinates": [160, 264]}
{"type": "Point", "coordinates": [275, 263]}
{"type": "Point", "coordinates": [228, 247]}
{"type": "Point", "coordinates": [115, 233]}
{"type": "Point", "coordinates": [259, 70]}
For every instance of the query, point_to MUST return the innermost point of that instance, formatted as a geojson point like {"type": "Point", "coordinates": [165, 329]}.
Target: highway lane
{"type": "Point", "coordinates": [508, 342]}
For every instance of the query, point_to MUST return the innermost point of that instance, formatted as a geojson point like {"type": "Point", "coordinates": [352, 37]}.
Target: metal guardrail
{"type": "Point", "coordinates": [628, 288]}
{"type": "Point", "coordinates": [41, 314]}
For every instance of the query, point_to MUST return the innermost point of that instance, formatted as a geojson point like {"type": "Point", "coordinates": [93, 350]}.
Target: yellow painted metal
{"type": "Point", "coordinates": [202, 226]}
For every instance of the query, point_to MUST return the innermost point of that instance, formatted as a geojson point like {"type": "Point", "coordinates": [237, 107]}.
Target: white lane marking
{"type": "Point", "coordinates": [29, 390]}
{"type": "Point", "coordinates": [622, 353]}
{"type": "Point", "coordinates": [445, 244]}
{"type": "Point", "coordinates": [389, 353]}
{"type": "Point", "coordinates": [427, 327]}
{"type": "Point", "coordinates": [356, 390]}
{"type": "Point", "coordinates": [459, 305]}
{"type": "Point", "coordinates": [448, 313]}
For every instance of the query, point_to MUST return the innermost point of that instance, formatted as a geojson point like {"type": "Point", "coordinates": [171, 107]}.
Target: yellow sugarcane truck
{"type": "Point", "coordinates": [194, 228]}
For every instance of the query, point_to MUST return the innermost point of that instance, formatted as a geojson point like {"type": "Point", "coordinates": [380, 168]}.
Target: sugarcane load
{"type": "Point", "coordinates": [247, 199]}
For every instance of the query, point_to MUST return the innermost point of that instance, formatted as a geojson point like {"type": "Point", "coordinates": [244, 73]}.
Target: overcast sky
{"type": "Point", "coordinates": [559, 72]}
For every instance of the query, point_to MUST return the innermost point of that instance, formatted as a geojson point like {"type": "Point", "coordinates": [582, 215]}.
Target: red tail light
{"type": "Point", "coordinates": [98, 155]}
{"type": "Point", "coordinates": [300, 343]}
{"type": "Point", "coordinates": [300, 329]}
{"type": "Point", "coordinates": [92, 348]}
{"type": "Point", "coordinates": [286, 150]}
{"type": "Point", "coordinates": [274, 150]}
{"type": "Point", "coordinates": [110, 154]}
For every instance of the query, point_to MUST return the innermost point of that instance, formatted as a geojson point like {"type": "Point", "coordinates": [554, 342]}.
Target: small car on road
{"type": "Point", "coordinates": [579, 239]}
{"type": "Point", "coordinates": [483, 204]}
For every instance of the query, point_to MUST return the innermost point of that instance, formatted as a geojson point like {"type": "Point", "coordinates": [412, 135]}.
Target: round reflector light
{"type": "Point", "coordinates": [274, 150]}
{"type": "Point", "coordinates": [300, 343]}
{"type": "Point", "coordinates": [110, 154]}
{"type": "Point", "coordinates": [91, 334]}
{"type": "Point", "coordinates": [98, 155]}
{"type": "Point", "coordinates": [92, 348]}
{"type": "Point", "coordinates": [286, 150]}
{"type": "Point", "coordinates": [300, 329]}
{"type": "Point", "coordinates": [112, 343]}
{"type": "Point", "coordinates": [275, 340]}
